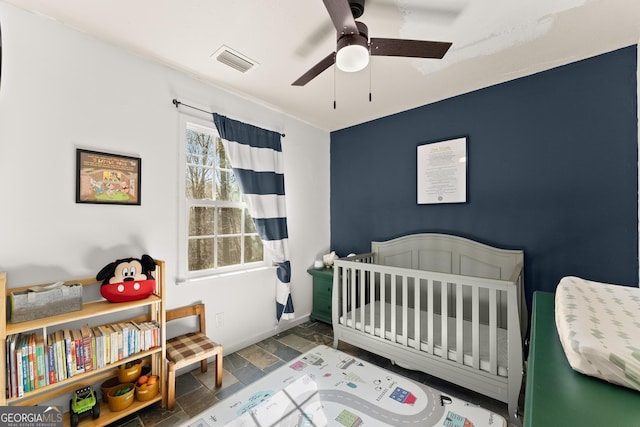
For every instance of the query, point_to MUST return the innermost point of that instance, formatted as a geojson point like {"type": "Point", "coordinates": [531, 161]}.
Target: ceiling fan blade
{"type": "Point", "coordinates": [341, 15]}
{"type": "Point", "coordinates": [316, 70]}
{"type": "Point", "coordinates": [409, 48]}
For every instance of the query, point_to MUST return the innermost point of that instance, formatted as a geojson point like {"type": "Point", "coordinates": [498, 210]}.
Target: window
{"type": "Point", "coordinates": [220, 234]}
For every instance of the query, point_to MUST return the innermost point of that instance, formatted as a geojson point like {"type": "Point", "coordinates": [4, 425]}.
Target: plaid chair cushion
{"type": "Point", "coordinates": [189, 345]}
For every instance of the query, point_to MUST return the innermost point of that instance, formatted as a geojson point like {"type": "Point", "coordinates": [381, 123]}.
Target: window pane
{"type": "Point", "coordinates": [227, 186]}
{"type": "Point", "coordinates": [253, 249]}
{"type": "Point", "coordinates": [229, 221]}
{"type": "Point", "coordinates": [199, 183]}
{"type": "Point", "coordinates": [229, 251]}
{"type": "Point", "coordinates": [200, 254]}
{"type": "Point", "coordinates": [221, 156]}
{"type": "Point", "coordinates": [201, 221]}
{"type": "Point", "coordinates": [249, 226]}
{"type": "Point", "coordinates": [201, 147]}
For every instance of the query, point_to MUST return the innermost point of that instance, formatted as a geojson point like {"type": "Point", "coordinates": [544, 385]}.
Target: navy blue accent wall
{"type": "Point", "coordinates": [552, 170]}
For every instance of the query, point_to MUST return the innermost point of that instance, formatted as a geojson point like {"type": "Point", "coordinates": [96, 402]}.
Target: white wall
{"type": "Point", "coordinates": [63, 90]}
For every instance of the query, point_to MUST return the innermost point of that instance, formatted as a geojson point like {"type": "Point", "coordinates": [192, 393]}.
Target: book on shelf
{"type": "Point", "coordinates": [19, 385]}
{"type": "Point", "coordinates": [24, 356]}
{"type": "Point", "coordinates": [99, 348]}
{"type": "Point", "coordinates": [87, 350]}
{"type": "Point", "coordinates": [61, 358]}
{"type": "Point", "coordinates": [118, 333]}
{"type": "Point", "coordinates": [147, 335]}
{"type": "Point", "coordinates": [11, 381]}
{"type": "Point", "coordinates": [132, 345]}
{"type": "Point", "coordinates": [137, 345]}
{"type": "Point", "coordinates": [78, 346]}
{"type": "Point", "coordinates": [11, 356]}
{"type": "Point", "coordinates": [51, 358]}
{"type": "Point", "coordinates": [132, 337]}
{"type": "Point", "coordinates": [19, 368]}
{"type": "Point", "coordinates": [124, 332]}
{"type": "Point", "coordinates": [155, 327]}
{"type": "Point", "coordinates": [94, 350]}
{"type": "Point", "coordinates": [70, 353]}
{"type": "Point", "coordinates": [114, 344]}
{"type": "Point", "coordinates": [106, 332]}
{"type": "Point", "coordinates": [41, 376]}
{"type": "Point", "coordinates": [31, 345]}
{"type": "Point", "coordinates": [141, 339]}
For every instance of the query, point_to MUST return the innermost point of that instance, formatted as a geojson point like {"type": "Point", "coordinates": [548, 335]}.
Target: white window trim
{"type": "Point", "coordinates": [184, 275]}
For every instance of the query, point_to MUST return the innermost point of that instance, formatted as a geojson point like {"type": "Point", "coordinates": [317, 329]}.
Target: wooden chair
{"type": "Point", "coordinates": [189, 348]}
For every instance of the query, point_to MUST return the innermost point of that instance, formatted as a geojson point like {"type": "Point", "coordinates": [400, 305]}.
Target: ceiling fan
{"type": "Point", "coordinates": [354, 46]}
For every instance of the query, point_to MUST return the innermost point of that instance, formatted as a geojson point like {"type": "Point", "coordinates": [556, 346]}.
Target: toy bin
{"type": "Point", "coordinates": [146, 391]}
{"type": "Point", "coordinates": [130, 372]}
{"type": "Point", "coordinates": [107, 386]}
{"type": "Point", "coordinates": [119, 400]}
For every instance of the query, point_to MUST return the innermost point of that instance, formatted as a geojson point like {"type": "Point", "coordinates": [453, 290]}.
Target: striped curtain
{"type": "Point", "coordinates": [256, 158]}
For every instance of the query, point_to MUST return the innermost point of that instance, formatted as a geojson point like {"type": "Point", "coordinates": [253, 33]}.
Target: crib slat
{"type": "Point", "coordinates": [343, 291]}
{"type": "Point", "coordinates": [359, 277]}
{"type": "Point", "coordinates": [417, 333]}
{"type": "Point", "coordinates": [430, 316]}
{"type": "Point", "coordinates": [459, 325]}
{"type": "Point", "coordinates": [372, 299]}
{"type": "Point", "coordinates": [444, 300]}
{"type": "Point", "coordinates": [354, 298]}
{"type": "Point", "coordinates": [493, 329]}
{"type": "Point", "coordinates": [405, 310]}
{"type": "Point", "coordinates": [475, 327]}
{"type": "Point", "coordinates": [383, 306]}
{"type": "Point", "coordinates": [393, 318]}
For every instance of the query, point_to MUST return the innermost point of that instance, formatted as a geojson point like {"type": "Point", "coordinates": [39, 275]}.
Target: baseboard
{"type": "Point", "coordinates": [283, 326]}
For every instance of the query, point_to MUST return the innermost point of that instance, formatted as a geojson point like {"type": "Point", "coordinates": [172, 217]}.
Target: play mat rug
{"type": "Point", "coordinates": [326, 387]}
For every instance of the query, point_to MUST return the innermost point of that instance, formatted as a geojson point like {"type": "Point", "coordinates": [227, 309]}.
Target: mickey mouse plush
{"type": "Point", "coordinates": [128, 279]}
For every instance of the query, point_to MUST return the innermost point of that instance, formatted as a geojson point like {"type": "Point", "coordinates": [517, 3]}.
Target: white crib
{"type": "Point", "coordinates": [392, 302]}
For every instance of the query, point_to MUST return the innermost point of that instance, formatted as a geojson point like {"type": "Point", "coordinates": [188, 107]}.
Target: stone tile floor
{"type": "Point", "coordinates": [196, 391]}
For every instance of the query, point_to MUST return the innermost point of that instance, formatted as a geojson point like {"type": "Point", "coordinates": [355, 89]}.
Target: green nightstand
{"type": "Point", "coordinates": [322, 285]}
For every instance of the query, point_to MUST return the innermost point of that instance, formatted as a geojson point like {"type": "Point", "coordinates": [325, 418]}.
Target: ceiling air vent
{"type": "Point", "coordinates": [234, 59]}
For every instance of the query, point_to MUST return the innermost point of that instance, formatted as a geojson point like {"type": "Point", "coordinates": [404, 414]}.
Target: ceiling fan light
{"type": "Point", "coordinates": [352, 57]}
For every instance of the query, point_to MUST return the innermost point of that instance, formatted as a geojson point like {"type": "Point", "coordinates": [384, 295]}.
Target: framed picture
{"type": "Point", "coordinates": [442, 171]}
{"type": "Point", "coordinates": [105, 178]}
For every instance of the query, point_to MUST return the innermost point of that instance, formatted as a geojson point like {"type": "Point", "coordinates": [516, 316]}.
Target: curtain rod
{"type": "Point", "coordinates": [178, 103]}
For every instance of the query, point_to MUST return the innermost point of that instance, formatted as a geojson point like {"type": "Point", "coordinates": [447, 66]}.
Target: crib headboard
{"type": "Point", "coordinates": [448, 254]}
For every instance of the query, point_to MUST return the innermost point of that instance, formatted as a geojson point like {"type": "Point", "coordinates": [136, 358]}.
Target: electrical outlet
{"type": "Point", "coordinates": [219, 320]}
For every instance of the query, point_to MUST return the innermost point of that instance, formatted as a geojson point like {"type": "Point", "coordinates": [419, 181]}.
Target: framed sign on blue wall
{"type": "Point", "coordinates": [442, 171]}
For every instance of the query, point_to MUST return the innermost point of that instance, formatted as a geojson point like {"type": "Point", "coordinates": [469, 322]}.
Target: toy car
{"type": "Point", "coordinates": [83, 402]}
